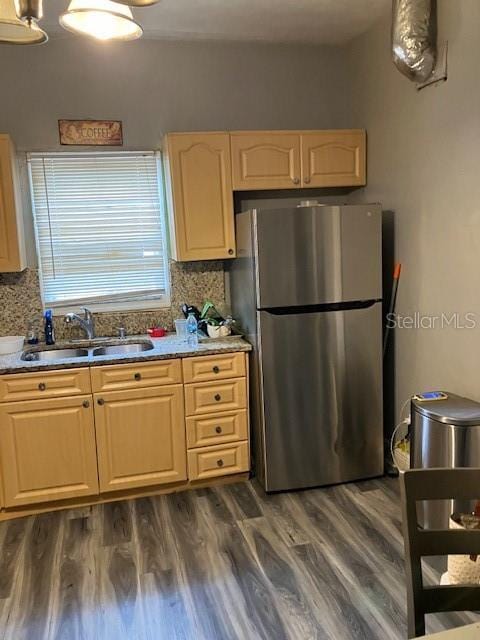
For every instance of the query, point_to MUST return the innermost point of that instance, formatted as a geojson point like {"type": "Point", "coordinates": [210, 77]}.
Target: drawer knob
{"type": "Point", "coordinates": [218, 429]}
{"type": "Point", "coordinates": [216, 369]}
{"type": "Point", "coordinates": [296, 180]}
{"type": "Point", "coordinates": [230, 252]}
{"type": "Point", "coordinates": [42, 386]}
{"type": "Point", "coordinates": [86, 404]}
{"type": "Point", "coordinates": [307, 180]}
{"type": "Point", "coordinates": [101, 402]}
{"type": "Point", "coordinates": [138, 376]}
{"type": "Point", "coordinates": [220, 463]}
{"type": "Point", "coordinates": [218, 397]}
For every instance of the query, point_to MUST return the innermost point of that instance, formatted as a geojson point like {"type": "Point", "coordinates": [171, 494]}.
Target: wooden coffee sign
{"type": "Point", "coordinates": [91, 132]}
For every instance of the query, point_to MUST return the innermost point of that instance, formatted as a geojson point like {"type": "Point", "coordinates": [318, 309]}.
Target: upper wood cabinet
{"type": "Point", "coordinates": [333, 158]}
{"type": "Point", "coordinates": [47, 450]}
{"type": "Point", "coordinates": [266, 160]}
{"type": "Point", "coordinates": [298, 159]}
{"type": "Point", "coordinates": [12, 243]}
{"type": "Point", "coordinates": [199, 192]}
{"type": "Point", "coordinates": [203, 169]}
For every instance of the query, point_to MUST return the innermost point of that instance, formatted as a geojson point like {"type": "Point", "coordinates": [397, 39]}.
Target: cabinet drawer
{"type": "Point", "coordinates": [204, 368]}
{"type": "Point", "coordinates": [205, 431]}
{"type": "Point", "coordinates": [223, 460]}
{"type": "Point", "coordinates": [135, 376]}
{"type": "Point", "coordinates": [214, 397]}
{"type": "Point", "coordinates": [47, 384]}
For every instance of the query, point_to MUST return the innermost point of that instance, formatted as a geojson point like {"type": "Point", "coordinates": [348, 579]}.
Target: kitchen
{"type": "Point", "coordinates": [146, 553]}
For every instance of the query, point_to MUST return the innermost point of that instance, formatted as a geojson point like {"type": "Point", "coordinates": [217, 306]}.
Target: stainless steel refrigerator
{"type": "Point", "coordinates": [306, 288]}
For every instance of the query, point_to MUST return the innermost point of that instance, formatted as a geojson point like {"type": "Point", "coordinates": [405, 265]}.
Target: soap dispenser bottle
{"type": "Point", "coordinates": [49, 328]}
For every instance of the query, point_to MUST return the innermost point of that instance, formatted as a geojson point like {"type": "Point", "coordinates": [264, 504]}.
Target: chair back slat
{"type": "Point", "coordinates": [443, 484]}
{"type": "Point", "coordinates": [451, 598]}
{"type": "Point", "coordinates": [431, 542]}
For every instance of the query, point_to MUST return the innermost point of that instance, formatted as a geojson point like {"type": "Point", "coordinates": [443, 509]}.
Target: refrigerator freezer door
{"type": "Point", "coordinates": [317, 255]}
{"type": "Point", "coordinates": [322, 397]}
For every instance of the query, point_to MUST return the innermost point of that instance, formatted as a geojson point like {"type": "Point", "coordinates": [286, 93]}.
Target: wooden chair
{"type": "Point", "coordinates": [436, 484]}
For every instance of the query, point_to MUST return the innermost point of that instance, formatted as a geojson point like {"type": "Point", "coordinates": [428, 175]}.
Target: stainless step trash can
{"type": "Point", "coordinates": [444, 433]}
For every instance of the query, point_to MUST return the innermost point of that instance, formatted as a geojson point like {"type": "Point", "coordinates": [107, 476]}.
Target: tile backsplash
{"type": "Point", "coordinates": [191, 282]}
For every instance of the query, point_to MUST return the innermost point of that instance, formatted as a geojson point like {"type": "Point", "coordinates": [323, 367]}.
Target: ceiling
{"type": "Point", "coordinates": [309, 21]}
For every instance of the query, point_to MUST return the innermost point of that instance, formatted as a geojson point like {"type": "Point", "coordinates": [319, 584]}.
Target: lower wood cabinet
{"type": "Point", "coordinates": [140, 437]}
{"type": "Point", "coordinates": [82, 434]}
{"type": "Point", "coordinates": [47, 450]}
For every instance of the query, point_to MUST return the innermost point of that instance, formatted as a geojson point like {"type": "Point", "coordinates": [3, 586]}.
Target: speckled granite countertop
{"type": "Point", "coordinates": [163, 348]}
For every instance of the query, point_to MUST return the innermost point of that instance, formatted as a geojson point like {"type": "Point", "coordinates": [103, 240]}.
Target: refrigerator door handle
{"type": "Point", "coordinates": [320, 308]}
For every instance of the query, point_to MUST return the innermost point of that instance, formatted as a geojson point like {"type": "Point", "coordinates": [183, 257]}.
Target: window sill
{"type": "Point", "coordinates": [112, 307]}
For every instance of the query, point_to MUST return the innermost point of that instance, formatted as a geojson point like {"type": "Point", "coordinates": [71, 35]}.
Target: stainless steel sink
{"type": "Point", "coordinates": [121, 349]}
{"type": "Point", "coordinates": [69, 352]}
{"type": "Point", "coordinates": [53, 354]}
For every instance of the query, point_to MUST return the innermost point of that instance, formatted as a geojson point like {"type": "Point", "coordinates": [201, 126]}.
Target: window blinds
{"type": "Point", "coordinates": [100, 228]}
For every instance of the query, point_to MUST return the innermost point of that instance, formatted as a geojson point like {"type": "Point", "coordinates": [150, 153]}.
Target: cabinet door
{"type": "Point", "coordinates": [47, 450]}
{"type": "Point", "coordinates": [200, 196]}
{"type": "Point", "coordinates": [140, 437]}
{"type": "Point", "coordinates": [265, 160]}
{"type": "Point", "coordinates": [334, 158]}
{"type": "Point", "coordinates": [12, 247]}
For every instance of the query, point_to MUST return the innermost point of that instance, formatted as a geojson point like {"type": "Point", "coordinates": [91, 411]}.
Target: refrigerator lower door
{"type": "Point", "coordinates": [321, 389]}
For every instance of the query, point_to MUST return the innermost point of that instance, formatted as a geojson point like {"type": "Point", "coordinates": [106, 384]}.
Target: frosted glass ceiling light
{"type": "Point", "coordinates": [138, 3]}
{"type": "Point", "coordinates": [16, 31]}
{"type": "Point", "coordinates": [101, 19]}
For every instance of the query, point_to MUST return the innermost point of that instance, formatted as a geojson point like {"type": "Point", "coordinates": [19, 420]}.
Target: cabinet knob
{"type": "Point", "coordinates": [218, 429]}
{"type": "Point", "coordinates": [86, 404]}
{"type": "Point", "coordinates": [138, 376]}
{"type": "Point", "coordinates": [296, 180]}
{"type": "Point", "coordinates": [230, 252]}
{"type": "Point", "coordinates": [216, 369]}
{"type": "Point", "coordinates": [42, 386]}
{"type": "Point", "coordinates": [101, 402]}
{"type": "Point", "coordinates": [307, 180]}
{"type": "Point", "coordinates": [220, 463]}
{"type": "Point", "coordinates": [218, 397]}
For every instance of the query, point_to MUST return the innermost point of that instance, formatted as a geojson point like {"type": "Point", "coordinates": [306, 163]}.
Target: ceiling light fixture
{"type": "Point", "coordinates": [138, 3]}
{"type": "Point", "coordinates": [101, 19]}
{"type": "Point", "coordinates": [14, 30]}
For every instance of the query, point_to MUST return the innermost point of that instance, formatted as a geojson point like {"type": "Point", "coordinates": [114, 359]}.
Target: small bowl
{"type": "Point", "coordinates": [11, 344]}
{"type": "Point", "coordinates": [218, 331]}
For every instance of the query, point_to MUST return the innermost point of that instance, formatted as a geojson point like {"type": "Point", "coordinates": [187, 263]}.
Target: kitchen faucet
{"type": "Point", "coordinates": [86, 323]}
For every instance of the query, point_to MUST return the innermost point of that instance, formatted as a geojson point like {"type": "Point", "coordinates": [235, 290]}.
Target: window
{"type": "Point", "coordinates": [100, 230]}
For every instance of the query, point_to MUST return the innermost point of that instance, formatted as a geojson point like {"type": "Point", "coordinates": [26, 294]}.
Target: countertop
{"type": "Point", "coordinates": [163, 348]}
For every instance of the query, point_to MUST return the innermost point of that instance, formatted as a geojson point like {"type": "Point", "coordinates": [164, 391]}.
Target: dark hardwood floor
{"type": "Point", "coordinates": [215, 564]}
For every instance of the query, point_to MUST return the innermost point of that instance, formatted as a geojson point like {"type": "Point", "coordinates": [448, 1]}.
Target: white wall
{"type": "Point", "coordinates": [155, 87]}
{"type": "Point", "coordinates": [424, 163]}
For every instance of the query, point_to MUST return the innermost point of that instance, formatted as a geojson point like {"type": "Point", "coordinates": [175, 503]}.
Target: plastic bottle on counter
{"type": "Point", "coordinates": [192, 330]}
{"type": "Point", "coordinates": [49, 328]}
